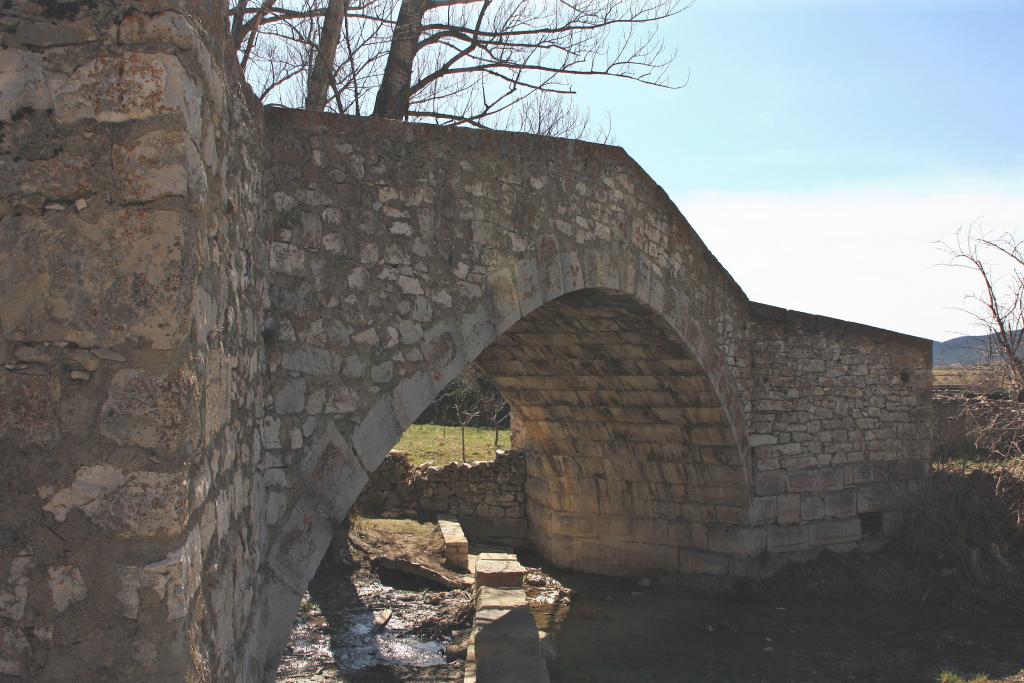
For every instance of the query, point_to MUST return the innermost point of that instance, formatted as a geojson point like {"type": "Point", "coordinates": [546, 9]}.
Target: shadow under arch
{"type": "Point", "coordinates": [632, 462]}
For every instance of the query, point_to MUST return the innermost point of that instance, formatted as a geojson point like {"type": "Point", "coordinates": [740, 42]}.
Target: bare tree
{"type": "Point", "coordinates": [484, 63]}
{"type": "Point", "coordinates": [998, 261]}
{"type": "Point", "coordinates": [995, 421]}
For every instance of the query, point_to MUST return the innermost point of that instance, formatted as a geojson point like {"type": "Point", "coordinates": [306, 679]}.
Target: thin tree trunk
{"type": "Point", "coordinates": [463, 442]}
{"type": "Point", "coordinates": [238, 24]}
{"type": "Point", "coordinates": [323, 65]}
{"type": "Point", "coordinates": [393, 96]}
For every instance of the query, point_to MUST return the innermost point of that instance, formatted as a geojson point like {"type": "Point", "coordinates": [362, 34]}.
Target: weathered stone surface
{"type": "Point", "coordinates": [59, 265]}
{"type": "Point", "coordinates": [131, 504]}
{"type": "Point", "coordinates": [145, 409]}
{"type": "Point", "coordinates": [66, 586]}
{"type": "Point", "coordinates": [170, 28]}
{"type": "Point", "coordinates": [131, 86]}
{"type": "Point", "coordinates": [14, 651]}
{"type": "Point", "coordinates": [302, 539]}
{"type": "Point", "coordinates": [376, 434]}
{"type": "Point", "coordinates": [14, 593]}
{"type": "Point", "coordinates": [156, 165]}
{"type": "Point", "coordinates": [23, 83]}
{"type": "Point", "coordinates": [333, 473]}
{"type": "Point", "coordinates": [499, 570]}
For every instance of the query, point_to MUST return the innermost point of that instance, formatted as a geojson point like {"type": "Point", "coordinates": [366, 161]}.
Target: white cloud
{"type": "Point", "coordinates": [868, 254]}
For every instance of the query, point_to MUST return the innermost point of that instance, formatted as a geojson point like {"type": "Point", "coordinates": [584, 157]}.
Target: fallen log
{"type": "Point", "coordinates": [436, 575]}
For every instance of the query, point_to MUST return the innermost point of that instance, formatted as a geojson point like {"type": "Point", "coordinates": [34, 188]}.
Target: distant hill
{"type": "Point", "coordinates": [970, 350]}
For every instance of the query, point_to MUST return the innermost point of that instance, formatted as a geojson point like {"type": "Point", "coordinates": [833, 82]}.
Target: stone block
{"type": "Point", "coordinates": [815, 480]}
{"type": "Point", "coordinates": [880, 497]}
{"type": "Point", "coordinates": [130, 504]}
{"type": "Point", "coordinates": [298, 545]}
{"type": "Point", "coordinates": [841, 503]}
{"type": "Point", "coordinates": [763, 510]}
{"type": "Point", "coordinates": [23, 83]}
{"type": "Point", "coordinates": [812, 506]}
{"type": "Point", "coordinates": [576, 525]}
{"type": "Point", "coordinates": [504, 299]}
{"type": "Point", "coordinates": [788, 508]}
{"type": "Point", "coordinates": [287, 259]}
{"type": "Point", "coordinates": [333, 473]}
{"type": "Point", "coordinates": [412, 396]}
{"type": "Point", "coordinates": [376, 434]}
{"type": "Point", "coordinates": [128, 87]}
{"type": "Point", "coordinates": [168, 28]}
{"type": "Point", "coordinates": [528, 286]}
{"type": "Point", "coordinates": [687, 534]}
{"type": "Point", "coordinates": [832, 531]}
{"type": "Point", "coordinates": [66, 586]}
{"type": "Point", "coordinates": [147, 409]}
{"type": "Point", "coordinates": [158, 164]}
{"type": "Point", "coordinates": [736, 540]}
{"type": "Point", "coordinates": [505, 633]}
{"type": "Point", "coordinates": [499, 570]}
{"type": "Point", "coordinates": [456, 547]}
{"type": "Point", "coordinates": [491, 598]}
{"type": "Point", "coordinates": [771, 482]}
{"type": "Point", "coordinates": [310, 360]}
{"type": "Point", "coordinates": [290, 398]}
{"type": "Point", "coordinates": [131, 260]}
{"type": "Point", "coordinates": [703, 562]}
{"type": "Point", "coordinates": [787, 538]}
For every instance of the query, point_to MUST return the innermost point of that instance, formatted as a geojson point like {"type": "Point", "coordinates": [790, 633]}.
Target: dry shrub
{"type": "Point", "coordinates": [969, 518]}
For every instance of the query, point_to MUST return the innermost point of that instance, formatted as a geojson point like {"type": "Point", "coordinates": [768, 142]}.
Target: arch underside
{"type": "Point", "coordinates": [632, 463]}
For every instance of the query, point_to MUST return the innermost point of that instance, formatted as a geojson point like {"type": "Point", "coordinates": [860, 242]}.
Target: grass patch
{"type": "Point", "coordinates": [951, 677]}
{"type": "Point", "coordinates": [982, 378]}
{"type": "Point", "coordinates": [441, 445]}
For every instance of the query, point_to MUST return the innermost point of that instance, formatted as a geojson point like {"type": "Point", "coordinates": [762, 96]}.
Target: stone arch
{"type": "Point", "coordinates": [375, 308]}
{"type": "Point", "coordinates": [624, 502]}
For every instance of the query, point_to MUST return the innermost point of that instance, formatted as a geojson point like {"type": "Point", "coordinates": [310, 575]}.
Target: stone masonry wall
{"type": "Point", "coordinates": [840, 430]}
{"type": "Point", "coordinates": [488, 497]}
{"type": "Point", "coordinates": [132, 269]}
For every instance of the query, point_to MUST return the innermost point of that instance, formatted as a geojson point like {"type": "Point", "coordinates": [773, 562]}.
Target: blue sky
{"type": "Point", "coordinates": [821, 147]}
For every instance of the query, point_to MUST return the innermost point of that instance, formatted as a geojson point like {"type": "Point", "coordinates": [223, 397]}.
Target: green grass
{"type": "Point", "coordinates": [441, 445]}
{"type": "Point", "coordinates": [951, 677]}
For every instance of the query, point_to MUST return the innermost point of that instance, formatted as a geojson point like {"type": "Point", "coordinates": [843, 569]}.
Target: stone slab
{"type": "Point", "coordinates": [500, 570]}
{"type": "Point", "coordinates": [505, 632]}
{"type": "Point", "coordinates": [489, 598]}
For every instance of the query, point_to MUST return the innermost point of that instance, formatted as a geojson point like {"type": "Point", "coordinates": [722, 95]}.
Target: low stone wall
{"type": "Point", "coordinates": [489, 497]}
{"type": "Point", "coordinates": [951, 429]}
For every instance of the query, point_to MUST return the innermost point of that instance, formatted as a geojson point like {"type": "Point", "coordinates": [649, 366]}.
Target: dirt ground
{"type": "Point", "coordinates": [813, 623]}
{"type": "Point", "coordinates": [865, 618]}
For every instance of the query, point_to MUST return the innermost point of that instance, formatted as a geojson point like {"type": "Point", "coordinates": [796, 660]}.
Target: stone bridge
{"type": "Point", "coordinates": [217, 319]}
